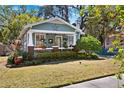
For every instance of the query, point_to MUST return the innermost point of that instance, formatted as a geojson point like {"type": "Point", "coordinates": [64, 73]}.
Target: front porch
{"type": "Point", "coordinates": [47, 40]}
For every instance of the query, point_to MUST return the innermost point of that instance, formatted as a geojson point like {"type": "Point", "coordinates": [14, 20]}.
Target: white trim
{"type": "Point", "coordinates": [52, 48]}
{"type": "Point", "coordinates": [50, 31]}
{"type": "Point", "coordinates": [30, 42]}
{"type": "Point", "coordinates": [74, 42]}
{"type": "Point", "coordinates": [43, 48]}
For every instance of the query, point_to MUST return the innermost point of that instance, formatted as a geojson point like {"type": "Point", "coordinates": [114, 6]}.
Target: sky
{"type": "Point", "coordinates": [72, 18]}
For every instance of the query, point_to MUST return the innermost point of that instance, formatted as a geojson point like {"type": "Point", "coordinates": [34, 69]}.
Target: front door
{"type": "Point", "coordinates": [59, 41]}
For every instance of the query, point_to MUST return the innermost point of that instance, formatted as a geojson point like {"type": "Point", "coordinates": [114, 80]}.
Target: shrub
{"type": "Point", "coordinates": [81, 56]}
{"type": "Point", "coordinates": [64, 55]}
{"type": "Point", "coordinates": [56, 55]}
{"type": "Point", "coordinates": [89, 44]}
{"type": "Point", "coordinates": [34, 62]}
{"type": "Point", "coordinates": [87, 56]}
{"type": "Point", "coordinates": [14, 57]}
{"type": "Point", "coordinates": [24, 55]}
{"type": "Point", "coordinates": [94, 56]}
{"type": "Point", "coordinates": [10, 59]}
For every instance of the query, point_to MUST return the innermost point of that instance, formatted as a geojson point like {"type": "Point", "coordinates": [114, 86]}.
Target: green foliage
{"type": "Point", "coordinates": [102, 20]}
{"type": "Point", "coordinates": [13, 27]}
{"type": "Point", "coordinates": [56, 55]}
{"type": "Point", "coordinates": [15, 54]}
{"type": "Point", "coordinates": [52, 56]}
{"type": "Point", "coordinates": [24, 55]}
{"type": "Point", "coordinates": [87, 56]}
{"type": "Point", "coordinates": [10, 59]}
{"type": "Point", "coordinates": [64, 55]}
{"type": "Point", "coordinates": [119, 76]}
{"type": "Point", "coordinates": [119, 57]}
{"type": "Point", "coordinates": [111, 50]}
{"type": "Point", "coordinates": [34, 62]}
{"type": "Point", "coordinates": [89, 44]}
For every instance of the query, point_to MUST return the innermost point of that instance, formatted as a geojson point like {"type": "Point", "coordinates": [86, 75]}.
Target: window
{"type": "Point", "coordinates": [40, 39]}
{"type": "Point", "coordinates": [70, 40]}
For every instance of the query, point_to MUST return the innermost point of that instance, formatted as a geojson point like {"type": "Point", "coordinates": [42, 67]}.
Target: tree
{"type": "Point", "coordinates": [62, 11]}
{"type": "Point", "coordinates": [101, 20]}
{"type": "Point", "coordinates": [118, 59]}
{"type": "Point", "coordinates": [89, 44]}
{"type": "Point", "coordinates": [11, 30]}
{"type": "Point", "coordinates": [54, 11]}
{"type": "Point", "coordinates": [5, 13]}
{"type": "Point", "coordinates": [14, 18]}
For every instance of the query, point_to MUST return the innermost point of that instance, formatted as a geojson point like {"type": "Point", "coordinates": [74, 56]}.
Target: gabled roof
{"type": "Point", "coordinates": [55, 20]}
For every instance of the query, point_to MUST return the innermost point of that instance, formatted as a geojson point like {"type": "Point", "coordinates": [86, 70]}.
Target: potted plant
{"type": "Point", "coordinates": [18, 59]}
{"type": "Point", "coordinates": [65, 45]}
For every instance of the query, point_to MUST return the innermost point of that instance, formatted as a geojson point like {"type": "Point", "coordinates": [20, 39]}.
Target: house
{"type": "Point", "coordinates": [49, 34]}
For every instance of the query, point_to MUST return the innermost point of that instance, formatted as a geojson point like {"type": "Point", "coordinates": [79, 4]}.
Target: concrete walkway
{"type": "Point", "coordinates": [107, 82]}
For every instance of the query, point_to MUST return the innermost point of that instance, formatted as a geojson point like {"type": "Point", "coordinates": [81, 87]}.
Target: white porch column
{"type": "Point", "coordinates": [30, 46]}
{"type": "Point", "coordinates": [30, 42]}
{"type": "Point", "coordinates": [74, 42]}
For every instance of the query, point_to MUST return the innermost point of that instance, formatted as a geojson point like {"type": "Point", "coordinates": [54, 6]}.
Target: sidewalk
{"type": "Point", "coordinates": [107, 82]}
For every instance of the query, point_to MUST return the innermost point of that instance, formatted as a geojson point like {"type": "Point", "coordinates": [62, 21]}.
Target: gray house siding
{"type": "Point", "coordinates": [53, 27]}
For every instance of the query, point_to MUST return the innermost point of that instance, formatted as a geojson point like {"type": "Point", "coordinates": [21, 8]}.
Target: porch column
{"type": "Point", "coordinates": [74, 42]}
{"type": "Point", "coordinates": [30, 46]}
{"type": "Point", "coordinates": [30, 42]}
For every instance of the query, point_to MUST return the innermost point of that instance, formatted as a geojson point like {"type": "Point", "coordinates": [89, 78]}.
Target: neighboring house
{"type": "Point", "coordinates": [111, 37]}
{"type": "Point", "coordinates": [49, 34]}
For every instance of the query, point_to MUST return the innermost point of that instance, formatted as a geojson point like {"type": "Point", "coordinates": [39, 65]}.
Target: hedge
{"type": "Point", "coordinates": [54, 56]}
{"type": "Point", "coordinates": [63, 55]}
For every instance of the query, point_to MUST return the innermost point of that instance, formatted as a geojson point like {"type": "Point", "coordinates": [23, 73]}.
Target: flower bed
{"type": "Point", "coordinates": [46, 57]}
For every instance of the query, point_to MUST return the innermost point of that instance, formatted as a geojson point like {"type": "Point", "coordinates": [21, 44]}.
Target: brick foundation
{"type": "Point", "coordinates": [55, 48]}
{"type": "Point", "coordinates": [30, 52]}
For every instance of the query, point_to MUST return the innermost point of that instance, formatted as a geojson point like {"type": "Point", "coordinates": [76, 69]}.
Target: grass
{"type": "Point", "coordinates": [50, 75]}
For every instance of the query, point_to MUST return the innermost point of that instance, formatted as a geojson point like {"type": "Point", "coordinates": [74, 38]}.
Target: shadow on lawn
{"type": "Point", "coordinates": [66, 61]}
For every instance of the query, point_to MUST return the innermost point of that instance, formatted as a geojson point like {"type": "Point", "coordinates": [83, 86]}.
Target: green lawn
{"type": "Point", "coordinates": [55, 74]}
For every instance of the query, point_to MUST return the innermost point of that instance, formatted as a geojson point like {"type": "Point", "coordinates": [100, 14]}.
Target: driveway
{"type": "Point", "coordinates": [107, 82]}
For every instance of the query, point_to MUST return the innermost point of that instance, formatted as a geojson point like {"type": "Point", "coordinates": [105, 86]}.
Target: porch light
{"type": "Point", "coordinates": [50, 40]}
{"type": "Point", "coordinates": [42, 40]}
